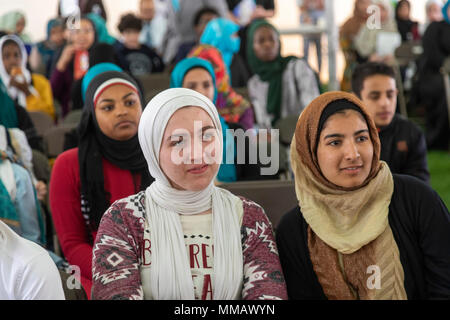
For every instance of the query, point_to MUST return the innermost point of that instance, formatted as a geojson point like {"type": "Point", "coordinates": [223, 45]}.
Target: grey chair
{"type": "Point", "coordinates": [154, 83]}
{"type": "Point", "coordinates": [54, 139]}
{"type": "Point", "coordinates": [42, 122]}
{"type": "Point", "coordinates": [276, 197]}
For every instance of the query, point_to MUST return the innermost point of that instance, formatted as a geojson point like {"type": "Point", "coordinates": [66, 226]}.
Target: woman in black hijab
{"type": "Point", "coordinates": [108, 165]}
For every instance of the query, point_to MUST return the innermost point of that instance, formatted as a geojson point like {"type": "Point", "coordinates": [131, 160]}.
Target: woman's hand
{"type": "Point", "coordinates": [66, 57]}
{"type": "Point", "coordinates": [41, 190]}
{"type": "Point", "coordinates": [22, 86]}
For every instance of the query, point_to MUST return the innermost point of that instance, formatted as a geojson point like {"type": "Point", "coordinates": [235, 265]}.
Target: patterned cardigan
{"type": "Point", "coordinates": [118, 249]}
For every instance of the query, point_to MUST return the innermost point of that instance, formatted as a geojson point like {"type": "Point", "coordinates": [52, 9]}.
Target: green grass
{"type": "Point", "coordinates": [439, 165]}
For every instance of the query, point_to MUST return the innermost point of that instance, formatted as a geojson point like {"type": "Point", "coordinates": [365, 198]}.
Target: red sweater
{"type": "Point", "coordinates": [65, 203]}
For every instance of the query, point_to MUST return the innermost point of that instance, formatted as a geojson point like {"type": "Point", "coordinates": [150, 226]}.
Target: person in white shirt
{"type": "Point", "coordinates": [26, 270]}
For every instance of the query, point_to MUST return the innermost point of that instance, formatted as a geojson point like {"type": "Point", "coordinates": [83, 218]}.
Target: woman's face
{"type": "Point", "coordinates": [188, 154]}
{"type": "Point", "coordinates": [84, 37]}
{"type": "Point", "coordinates": [11, 56]}
{"type": "Point", "coordinates": [198, 79]}
{"type": "Point", "coordinates": [118, 112]}
{"type": "Point", "coordinates": [266, 44]}
{"type": "Point", "coordinates": [434, 12]}
{"type": "Point", "coordinates": [345, 150]}
{"type": "Point", "coordinates": [57, 35]}
{"type": "Point", "coordinates": [403, 11]}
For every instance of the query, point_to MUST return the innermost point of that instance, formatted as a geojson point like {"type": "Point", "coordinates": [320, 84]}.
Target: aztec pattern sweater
{"type": "Point", "coordinates": [120, 250]}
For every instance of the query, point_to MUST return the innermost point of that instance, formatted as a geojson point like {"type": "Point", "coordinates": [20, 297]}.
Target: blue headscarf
{"type": "Point", "coordinates": [227, 172]}
{"type": "Point", "coordinates": [445, 12]}
{"type": "Point", "coordinates": [185, 65]}
{"type": "Point", "coordinates": [218, 33]}
{"type": "Point", "coordinates": [53, 23]}
{"type": "Point", "coordinates": [95, 71]}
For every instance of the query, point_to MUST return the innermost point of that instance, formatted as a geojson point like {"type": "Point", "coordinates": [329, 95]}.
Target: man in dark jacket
{"type": "Point", "coordinates": [403, 144]}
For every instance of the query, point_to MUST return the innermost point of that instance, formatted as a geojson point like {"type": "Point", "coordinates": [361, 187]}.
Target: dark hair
{"type": "Point", "coordinates": [9, 42]}
{"type": "Point", "coordinates": [129, 21]}
{"type": "Point", "coordinates": [366, 70]}
{"type": "Point", "coordinates": [399, 5]}
{"type": "Point", "coordinates": [201, 12]}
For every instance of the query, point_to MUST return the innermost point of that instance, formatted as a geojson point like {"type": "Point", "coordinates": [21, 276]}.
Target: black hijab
{"type": "Point", "coordinates": [94, 145]}
{"type": "Point", "coordinates": [405, 27]}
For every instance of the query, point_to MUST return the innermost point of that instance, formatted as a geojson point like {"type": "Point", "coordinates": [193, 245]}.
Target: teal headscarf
{"type": "Point", "coordinates": [271, 72]}
{"type": "Point", "coordinates": [180, 70]}
{"type": "Point", "coordinates": [8, 114]}
{"type": "Point", "coordinates": [101, 30]}
{"type": "Point", "coordinates": [95, 71]}
{"type": "Point", "coordinates": [219, 33]}
{"type": "Point", "coordinates": [227, 172]}
{"type": "Point", "coordinates": [445, 12]}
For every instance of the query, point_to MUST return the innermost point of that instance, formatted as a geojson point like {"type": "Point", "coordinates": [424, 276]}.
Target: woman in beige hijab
{"type": "Point", "coordinates": [359, 231]}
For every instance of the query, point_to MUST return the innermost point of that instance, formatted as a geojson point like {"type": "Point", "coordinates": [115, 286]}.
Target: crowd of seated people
{"type": "Point", "coordinates": [132, 202]}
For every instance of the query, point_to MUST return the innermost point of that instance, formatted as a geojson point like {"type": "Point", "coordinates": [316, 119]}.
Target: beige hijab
{"type": "Point", "coordinates": [348, 227]}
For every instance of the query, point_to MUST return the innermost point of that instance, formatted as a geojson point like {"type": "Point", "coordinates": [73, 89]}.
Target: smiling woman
{"type": "Point", "coordinates": [359, 231]}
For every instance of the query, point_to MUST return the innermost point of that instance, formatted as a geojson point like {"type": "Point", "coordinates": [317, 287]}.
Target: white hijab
{"type": "Point", "coordinates": [13, 92]}
{"type": "Point", "coordinates": [170, 273]}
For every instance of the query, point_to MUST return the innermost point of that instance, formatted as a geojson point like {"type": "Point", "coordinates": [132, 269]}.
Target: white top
{"type": "Point", "coordinates": [26, 270]}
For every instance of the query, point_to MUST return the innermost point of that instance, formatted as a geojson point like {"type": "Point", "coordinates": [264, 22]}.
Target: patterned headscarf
{"type": "Point", "coordinates": [219, 33]}
{"type": "Point", "coordinates": [231, 106]}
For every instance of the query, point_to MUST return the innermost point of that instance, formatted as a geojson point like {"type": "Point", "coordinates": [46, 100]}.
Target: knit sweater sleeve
{"type": "Point", "coordinates": [263, 277]}
{"type": "Point", "coordinates": [116, 255]}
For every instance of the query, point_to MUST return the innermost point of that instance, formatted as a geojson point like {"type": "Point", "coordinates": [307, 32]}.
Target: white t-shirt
{"type": "Point", "coordinates": [26, 270]}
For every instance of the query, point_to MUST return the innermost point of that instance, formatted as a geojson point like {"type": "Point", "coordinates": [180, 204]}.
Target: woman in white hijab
{"type": "Point", "coordinates": [183, 238]}
{"type": "Point", "coordinates": [381, 21]}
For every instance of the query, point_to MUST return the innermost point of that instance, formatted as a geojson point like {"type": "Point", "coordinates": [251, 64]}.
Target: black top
{"type": "Point", "coordinates": [420, 223]}
{"type": "Point", "coordinates": [266, 4]}
{"type": "Point", "coordinates": [26, 125]}
{"type": "Point", "coordinates": [404, 149]}
{"type": "Point", "coordinates": [436, 47]}
{"type": "Point", "coordinates": [139, 62]}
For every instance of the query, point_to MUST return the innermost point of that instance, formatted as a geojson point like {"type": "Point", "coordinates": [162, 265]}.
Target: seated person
{"type": "Point", "coordinates": [408, 29]}
{"type": "Point", "coordinates": [71, 62]}
{"type": "Point", "coordinates": [42, 54]}
{"type": "Point", "coordinates": [366, 39]}
{"type": "Point", "coordinates": [201, 19]}
{"type": "Point", "coordinates": [14, 22]}
{"type": "Point", "coordinates": [134, 57]}
{"type": "Point", "coordinates": [31, 90]}
{"type": "Point", "coordinates": [403, 144]}
{"type": "Point", "coordinates": [430, 84]}
{"type": "Point", "coordinates": [20, 208]}
{"type": "Point", "coordinates": [281, 86]}
{"type": "Point", "coordinates": [359, 232]}
{"type": "Point", "coordinates": [107, 165]}
{"type": "Point", "coordinates": [154, 25]}
{"type": "Point", "coordinates": [26, 270]}
{"type": "Point", "coordinates": [182, 212]}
